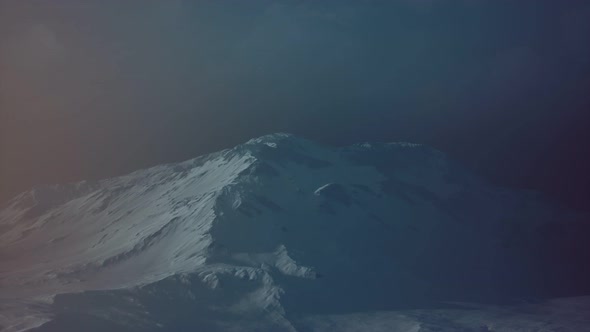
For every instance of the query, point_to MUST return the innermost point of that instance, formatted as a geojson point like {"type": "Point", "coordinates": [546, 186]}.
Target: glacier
{"type": "Point", "coordinates": [284, 234]}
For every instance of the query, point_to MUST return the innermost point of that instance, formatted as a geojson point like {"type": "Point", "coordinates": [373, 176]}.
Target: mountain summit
{"type": "Point", "coordinates": [274, 231]}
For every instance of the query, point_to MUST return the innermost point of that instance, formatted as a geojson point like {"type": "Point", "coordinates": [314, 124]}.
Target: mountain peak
{"type": "Point", "coordinates": [280, 138]}
{"type": "Point", "coordinates": [278, 224]}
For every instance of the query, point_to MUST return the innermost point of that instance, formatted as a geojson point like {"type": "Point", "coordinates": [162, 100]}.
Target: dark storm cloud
{"type": "Point", "coordinates": [93, 89]}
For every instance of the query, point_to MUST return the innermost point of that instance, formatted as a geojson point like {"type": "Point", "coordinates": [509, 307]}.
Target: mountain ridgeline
{"type": "Point", "coordinates": [279, 228]}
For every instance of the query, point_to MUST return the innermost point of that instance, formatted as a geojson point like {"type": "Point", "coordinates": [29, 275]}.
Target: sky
{"type": "Point", "coordinates": [94, 89]}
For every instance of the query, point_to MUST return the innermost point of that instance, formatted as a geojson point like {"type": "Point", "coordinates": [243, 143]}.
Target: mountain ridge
{"type": "Point", "coordinates": [280, 226]}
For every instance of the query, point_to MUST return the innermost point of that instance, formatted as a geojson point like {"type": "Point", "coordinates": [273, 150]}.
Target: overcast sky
{"type": "Point", "coordinates": [92, 89]}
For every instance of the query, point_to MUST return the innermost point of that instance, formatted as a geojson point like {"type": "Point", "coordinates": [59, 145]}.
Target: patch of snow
{"type": "Point", "coordinates": [318, 191]}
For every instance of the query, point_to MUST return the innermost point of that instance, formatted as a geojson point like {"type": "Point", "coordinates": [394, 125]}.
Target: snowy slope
{"type": "Point", "coordinates": [271, 235]}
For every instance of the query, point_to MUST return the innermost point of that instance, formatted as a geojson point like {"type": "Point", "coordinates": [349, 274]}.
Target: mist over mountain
{"type": "Point", "coordinates": [100, 88]}
{"type": "Point", "coordinates": [284, 234]}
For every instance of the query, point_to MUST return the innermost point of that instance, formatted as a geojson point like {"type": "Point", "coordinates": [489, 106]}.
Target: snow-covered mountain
{"type": "Point", "coordinates": [281, 234]}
